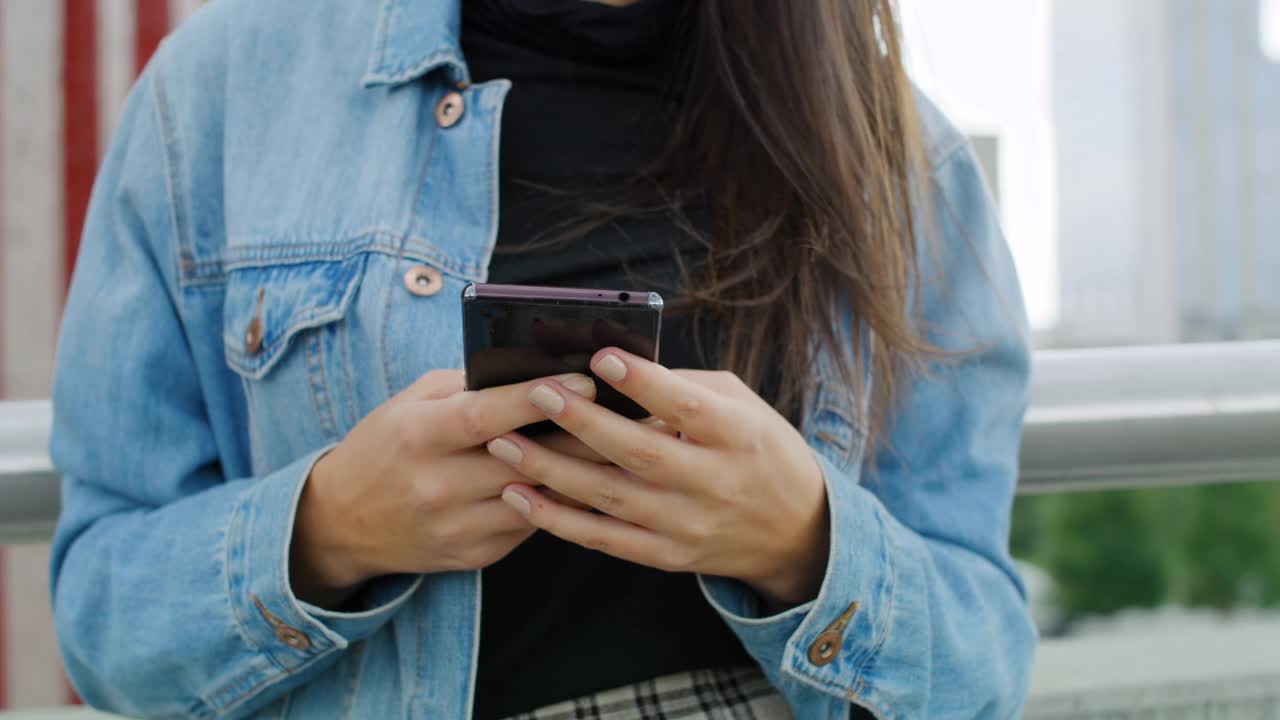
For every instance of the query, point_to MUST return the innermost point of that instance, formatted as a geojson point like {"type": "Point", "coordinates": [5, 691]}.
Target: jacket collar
{"type": "Point", "coordinates": [414, 37]}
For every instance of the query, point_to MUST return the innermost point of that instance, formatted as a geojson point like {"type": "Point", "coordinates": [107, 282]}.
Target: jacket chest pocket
{"type": "Point", "coordinates": [319, 344]}
{"type": "Point", "coordinates": [285, 332]}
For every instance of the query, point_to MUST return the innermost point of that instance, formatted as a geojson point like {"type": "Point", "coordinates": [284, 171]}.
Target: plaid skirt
{"type": "Point", "coordinates": [739, 693]}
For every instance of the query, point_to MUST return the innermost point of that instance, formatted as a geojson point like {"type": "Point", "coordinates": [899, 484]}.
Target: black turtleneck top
{"type": "Point", "coordinates": [588, 108]}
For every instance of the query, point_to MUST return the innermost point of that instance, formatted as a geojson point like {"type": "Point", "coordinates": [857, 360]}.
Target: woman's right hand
{"type": "Point", "coordinates": [412, 489]}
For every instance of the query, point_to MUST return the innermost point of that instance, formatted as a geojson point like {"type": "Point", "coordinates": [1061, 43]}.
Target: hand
{"type": "Point", "coordinates": [411, 490]}
{"type": "Point", "coordinates": [722, 485]}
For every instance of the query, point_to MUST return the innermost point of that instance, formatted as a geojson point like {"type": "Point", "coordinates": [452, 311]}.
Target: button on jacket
{"type": "Point", "coordinates": [277, 243]}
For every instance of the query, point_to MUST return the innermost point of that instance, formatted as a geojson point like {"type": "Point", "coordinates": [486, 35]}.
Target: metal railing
{"type": "Point", "coordinates": [28, 486]}
{"type": "Point", "coordinates": [1105, 418]}
{"type": "Point", "coordinates": [1158, 415]}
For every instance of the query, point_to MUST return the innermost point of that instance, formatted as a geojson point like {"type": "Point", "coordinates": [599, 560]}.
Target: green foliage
{"type": "Point", "coordinates": [1025, 533]}
{"type": "Point", "coordinates": [1103, 554]}
{"type": "Point", "coordinates": [1230, 546]}
{"type": "Point", "coordinates": [1208, 546]}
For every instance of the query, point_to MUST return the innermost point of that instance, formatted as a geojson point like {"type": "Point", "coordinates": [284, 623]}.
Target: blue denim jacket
{"type": "Point", "coordinates": [240, 302]}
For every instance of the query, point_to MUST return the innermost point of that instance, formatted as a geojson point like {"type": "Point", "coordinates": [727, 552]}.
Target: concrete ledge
{"type": "Point", "coordinates": [1192, 669]}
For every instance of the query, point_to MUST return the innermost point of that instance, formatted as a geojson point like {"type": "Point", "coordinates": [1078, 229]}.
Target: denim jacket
{"type": "Point", "coordinates": [277, 243]}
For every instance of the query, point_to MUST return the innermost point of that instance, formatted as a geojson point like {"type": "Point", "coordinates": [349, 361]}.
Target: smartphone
{"type": "Point", "coordinates": [514, 333]}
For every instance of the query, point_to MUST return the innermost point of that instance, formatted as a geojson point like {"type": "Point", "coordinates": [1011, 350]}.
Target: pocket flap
{"type": "Point", "coordinates": [266, 306]}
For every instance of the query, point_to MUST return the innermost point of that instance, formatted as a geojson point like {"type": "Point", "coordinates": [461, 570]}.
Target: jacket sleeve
{"type": "Point", "coordinates": [169, 580]}
{"type": "Point", "coordinates": [921, 596]}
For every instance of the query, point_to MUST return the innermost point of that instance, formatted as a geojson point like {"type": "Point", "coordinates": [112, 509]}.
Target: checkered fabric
{"type": "Point", "coordinates": [740, 693]}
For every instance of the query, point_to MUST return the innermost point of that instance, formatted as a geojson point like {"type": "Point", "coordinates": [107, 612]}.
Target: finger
{"type": "Point", "coordinates": [481, 520]}
{"type": "Point", "coordinates": [661, 426]}
{"type": "Point", "coordinates": [495, 548]}
{"type": "Point", "coordinates": [563, 499]}
{"type": "Point", "coordinates": [725, 383]}
{"type": "Point", "coordinates": [604, 533]}
{"type": "Point", "coordinates": [480, 476]}
{"type": "Point", "coordinates": [630, 445]}
{"type": "Point", "coordinates": [474, 417]}
{"type": "Point", "coordinates": [474, 475]}
{"type": "Point", "coordinates": [689, 407]}
{"type": "Point", "coordinates": [606, 488]}
{"type": "Point", "coordinates": [435, 385]}
{"type": "Point", "coordinates": [566, 444]}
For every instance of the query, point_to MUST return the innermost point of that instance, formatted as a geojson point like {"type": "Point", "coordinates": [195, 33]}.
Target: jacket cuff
{"type": "Point", "coordinates": [828, 642]}
{"type": "Point", "coordinates": [291, 632]}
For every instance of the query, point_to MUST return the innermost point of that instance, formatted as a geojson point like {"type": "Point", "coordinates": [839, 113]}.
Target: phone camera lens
{"type": "Point", "coordinates": [624, 296]}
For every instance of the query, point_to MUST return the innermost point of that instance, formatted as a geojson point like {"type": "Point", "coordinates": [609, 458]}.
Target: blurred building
{"type": "Point", "coordinates": [1167, 127]}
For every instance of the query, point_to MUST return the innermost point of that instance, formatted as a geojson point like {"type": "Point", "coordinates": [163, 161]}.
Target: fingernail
{"type": "Point", "coordinates": [579, 383]}
{"type": "Point", "coordinates": [546, 400]}
{"type": "Point", "coordinates": [516, 501]}
{"type": "Point", "coordinates": [610, 368]}
{"type": "Point", "coordinates": [505, 450]}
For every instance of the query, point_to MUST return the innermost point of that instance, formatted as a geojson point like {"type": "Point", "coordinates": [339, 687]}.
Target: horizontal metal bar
{"type": "Point", "coordinates": [28, 485]}
{"type": "Point", "coordinates": [1099, 419]}
{"type": "Point", "coordinates": [1157, 415]}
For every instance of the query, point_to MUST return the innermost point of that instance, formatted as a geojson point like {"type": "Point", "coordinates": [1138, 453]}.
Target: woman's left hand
{"type": "Point", "coordinates": [719, 484]}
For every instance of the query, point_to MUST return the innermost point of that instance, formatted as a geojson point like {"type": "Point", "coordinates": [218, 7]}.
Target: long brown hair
{"type": "Point", "coordinates": [797, 126]}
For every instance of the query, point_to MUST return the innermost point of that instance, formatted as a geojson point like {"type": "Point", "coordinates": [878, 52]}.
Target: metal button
{"type": "Point", "coordinates": [826, 646]}
{"type": "Point", "coordinates": [292, 637]}
{"type": "Point", "coordinates": [253, 336]}
{"type": "Point", "coordinates": [449, 109]}
{"type": "Point", "coordinates": [423, 280]}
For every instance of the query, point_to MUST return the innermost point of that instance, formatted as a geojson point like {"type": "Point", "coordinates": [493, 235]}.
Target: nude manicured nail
{"type": "Point", "coordinates": [578, 383]}
{"type": "Point", "coordinates": [610, 368]}
{"type": "Point", "coordinates": [546, 400]}
{"type": "Point", "coordinates": [516, 501]}
{"type": "Point", "coordinates": [505, 450]}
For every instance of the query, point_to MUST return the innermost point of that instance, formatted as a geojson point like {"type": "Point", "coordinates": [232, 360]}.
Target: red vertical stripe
{"type": "Point", "coordinates": [151, 23]}
{"type": "Point", "coordinates": [79, 132]}
{"type": "Point", "coordinates": [79, 120]}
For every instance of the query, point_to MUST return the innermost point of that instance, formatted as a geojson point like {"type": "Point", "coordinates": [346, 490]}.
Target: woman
{"type": "Point", "coordinates": [279, 502]}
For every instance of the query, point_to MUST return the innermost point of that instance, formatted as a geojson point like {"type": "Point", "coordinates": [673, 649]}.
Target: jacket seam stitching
{"type": "Point", "coordinates": [319, 385]}
{"type": "Point", "coordinates": [343, 339]}
{"type": "Point", "coordinates": [381, 31]}
{"type": "Point", "coordinates": [241, 628]}
{"type": "Point", "coordinates": [948, 151]}
{"type": "Point", "coordinates": [958, 145]}
{"type": "Point", "coordinates": [410, 213]}
{"type": "Point", "coordinates": [171, 156]}
{"type": "Point", "coordinates": [357, 673]}
{"type": "Point", "coordinates": [306, 321]}
{"type": "Point", "coordinates": [887, 593]}
{"type": "Point", "coordinates": [241, 258]}
{"type": "Point", "coordinates": [271, 679]}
